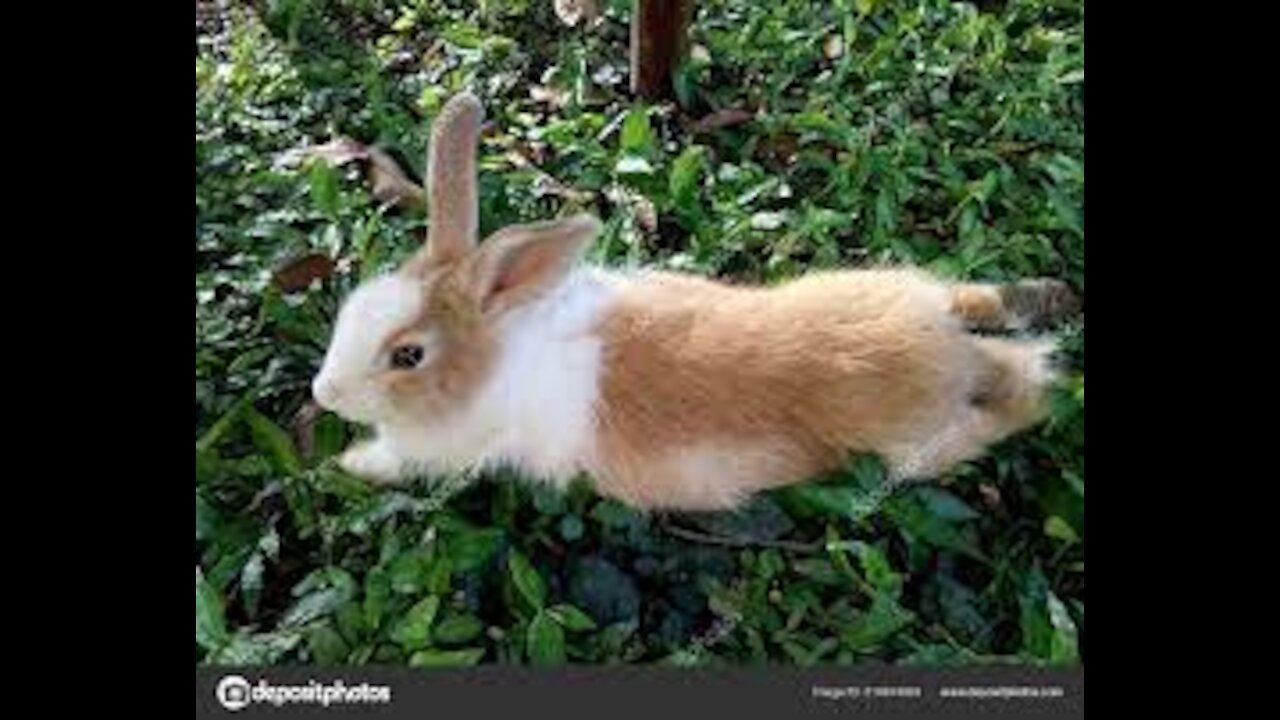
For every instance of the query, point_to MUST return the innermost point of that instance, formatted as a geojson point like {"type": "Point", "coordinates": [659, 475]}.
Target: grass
{"type": "Point", "coordinates": [931, 131]}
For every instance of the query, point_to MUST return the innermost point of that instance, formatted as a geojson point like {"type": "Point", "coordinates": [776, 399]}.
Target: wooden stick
{"type": "Point", "coordinates": [659, 41]}
{"type": "Point", "coordinates": [706, 539]}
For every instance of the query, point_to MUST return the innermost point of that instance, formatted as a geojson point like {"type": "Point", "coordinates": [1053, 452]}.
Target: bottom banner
{"type": "Point", "coordinates": [396, 692]}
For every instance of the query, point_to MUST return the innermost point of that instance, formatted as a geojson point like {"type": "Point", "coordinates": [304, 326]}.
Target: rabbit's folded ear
{"type": "Point", "coordinates": [518, 263]}
{"type": "Point", "coordinates": [452, 200]}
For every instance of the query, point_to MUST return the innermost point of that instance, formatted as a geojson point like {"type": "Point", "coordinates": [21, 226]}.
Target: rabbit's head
{"type": "Point", "coordinates": [412, 345]}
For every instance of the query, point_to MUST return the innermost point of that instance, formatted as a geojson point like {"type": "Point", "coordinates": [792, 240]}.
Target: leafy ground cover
{"type": "Point", "coordinates": [807, 135]}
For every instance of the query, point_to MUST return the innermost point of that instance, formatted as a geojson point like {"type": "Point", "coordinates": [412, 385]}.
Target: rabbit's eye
{"type": "Point", "coordinates": [407, 357]}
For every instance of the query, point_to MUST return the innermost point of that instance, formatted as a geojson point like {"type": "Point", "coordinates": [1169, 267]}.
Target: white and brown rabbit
{"type": "Point", "coordinates": [669, 391]}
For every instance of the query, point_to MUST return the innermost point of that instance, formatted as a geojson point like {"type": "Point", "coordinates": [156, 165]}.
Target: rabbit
{"type": "Point", "coordinates": [668, 391]}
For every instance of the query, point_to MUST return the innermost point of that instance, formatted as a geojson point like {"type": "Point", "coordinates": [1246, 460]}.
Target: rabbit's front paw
{"type": "Point", "coordinates": [371, 461]}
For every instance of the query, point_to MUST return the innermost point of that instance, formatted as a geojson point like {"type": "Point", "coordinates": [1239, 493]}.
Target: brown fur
{"type": "Point", "coordinates": [520, 263]}
{"type": "Point", "coordinates": [979, 306]}
{"type": "Point", "coordinates": [451, 185]}
{"type": "Point", "coordinates": [466, 350]}
{"type": "Point", "coordinates": [781, 384]}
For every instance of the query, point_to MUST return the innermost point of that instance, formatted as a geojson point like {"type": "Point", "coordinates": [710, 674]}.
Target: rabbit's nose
{"type": "Point", "coordinates": [325, 392]}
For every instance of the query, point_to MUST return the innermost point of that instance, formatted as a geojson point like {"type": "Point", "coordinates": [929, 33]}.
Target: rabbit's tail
{"type": "Point", "coordinates": [1015, 380]}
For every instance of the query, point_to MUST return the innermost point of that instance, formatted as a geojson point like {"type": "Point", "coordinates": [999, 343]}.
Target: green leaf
{"type": "Point", "coordinates": [438, 578]}
{"type": "Point", "coordinates": [1057, 497]}
{"type": "Point", "coordinates": [768, 220]}
{"type": "Point", "coordinates": [251, 582]}
{"type": "Point", "coordinates": [315, 605]}
{"type": "Point", "coordinates": [878, 571]}
{"type": "Point", "coordinates": [544, 641]}
{"type": "Point", "coordinates": [946, 505]}
{"type": "Point", "coordinates": [683, 182]}
{"type": "Point", "coordinates": [257, 649]}
{"type": "Point", "coordinates": [326, 646]}
{"type": "Point", "coordinates": [206, 467]}
{"type": "Point", "coordinates": [633, 165]}
{"type": "Point", "coordinates": [819, 571]}
{"type": "Point", "coordinates": [207, 518]}
{"type": "Point", "coordinates": [548, 500]}
{"type": "Point", "coordinates": [1073, 77]}
{"type": "Point", "coordinates": [233, 551]}
{"type": "Point", "coordinates": [882, 621]}
{"type": "Point", "coordinates": [1037, 630]}
{"type": "Point", "coordinates": [250, 358]}
{"type": "Point", "coordinates": [727, 602]}
{"type": "Point", "coordinates": [220, 427]}
{"type": "Point", "coordinates": [406, 22]}
{"type": "Point", "coordinates": [614, 637]}
{"type": "Point", "coordinates": [602, 589]}
{"type": "Point", "coordinates": [211, 624]}
{"type": "Point", "coordinates": [910, 514]}
{"type": "Point", "coordinates": [377, 593]}
{"type": "Point", "coordinates": [614, 515]}
{"type": "Point", "coordinates": [348, 620]}
{"type": "Point", "coordinates": [470, 549]}
{"type": "Point", "coordinates": [571, 527]}
{"type": "Point", "coordinates": [1064, 648]}
{"type": "Point", "coordinates": [446, 658]}
{"type": "Point", "coordinates": [1075, 482]}
{"type": "Point", "coordinates": [684, 82]}
{"type": "Point", "coordinates": [571, 618]}
{"type": "Point", "coordinates": [413, 631]}
{"type": "Point", "coordinates": [769, 564]}
{"type": "Point", "coordinates": [456, 629]}
{"type": "Point", "coordinates": [330, 436]}
{"type": "Point", "coordinates": [1067, 211]}
{"type": "Point", "coordinates": [941, 655]}
{"type": "Point", "coordinates": [986, 187]}
{"type": "Point", "coordinates": [411, 570]}
{"type": "Point", "coordinates": [1057, 528]}
{"type": "Point", "coordinates": [369, 514]}
{"type": "Point", "coordinates": [324, 188]}
{"type": "Point", "coordinates": [825, 499]}
{"type": "Point", "coordinates": [527, 580]}
{"type": "Point", "coordinates": [960, 609]}
{"type": "Point", "coordinates": [637, 137]}
{"type": "Point", "coordinates": [868, 471]}
{"type": "Point", "coordinates": [274, 442]}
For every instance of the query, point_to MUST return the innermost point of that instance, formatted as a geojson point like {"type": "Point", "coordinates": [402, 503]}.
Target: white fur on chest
{"type": "Point", "coordinates": [535, 413]}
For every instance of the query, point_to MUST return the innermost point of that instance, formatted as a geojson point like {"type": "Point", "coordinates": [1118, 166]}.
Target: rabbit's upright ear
{"type": "Point", "coordinates": [452, 200]}
{"type": "Point", "coordinates": [521, 262]}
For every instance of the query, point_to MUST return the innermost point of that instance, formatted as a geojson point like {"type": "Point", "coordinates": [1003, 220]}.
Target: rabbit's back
{"type": "Point", "coordinates": [754, 387]}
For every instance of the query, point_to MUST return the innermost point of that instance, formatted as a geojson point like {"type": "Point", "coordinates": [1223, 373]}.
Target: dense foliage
{"type": "Point", "coordinates": [807, 134]}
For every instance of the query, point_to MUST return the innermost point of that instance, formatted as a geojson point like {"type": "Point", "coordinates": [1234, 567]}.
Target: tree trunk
{"type": "Point", "coordinates": [659, 41]}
